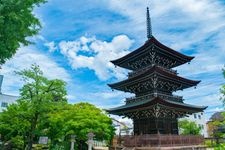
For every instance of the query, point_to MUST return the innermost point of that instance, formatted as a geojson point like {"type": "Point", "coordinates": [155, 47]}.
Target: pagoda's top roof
{"type": "Point", "coordinates": [149, 102]}
{"type": "Point", "coordinates": [170, 53]}
{"type": "Point", "coordinates": [146, 75]}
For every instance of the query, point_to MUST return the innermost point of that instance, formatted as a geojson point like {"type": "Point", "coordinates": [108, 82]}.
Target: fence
{"type": "Point", "coordinates": [99, 143]}
{"type": "Point", "coordinates": [159, 140]}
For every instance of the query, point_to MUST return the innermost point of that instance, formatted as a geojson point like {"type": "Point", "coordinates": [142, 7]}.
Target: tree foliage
{"type": "Point", "coordinates": [217, 124]}
{"type": "Point", "coordinates": [39, 95]}
{"type": "Point", "coordinates": [216, 128]}
{"type": "Point", "coordinates": [80, 119]}
{"type": "Point", "coordinates": [42, 110]}
{"type": "Point", "coordinates": [15, 123]}
{"type": "Point", "coordinates": [189, 127]}
{"type": "Point", "coordinates": [17, 22]}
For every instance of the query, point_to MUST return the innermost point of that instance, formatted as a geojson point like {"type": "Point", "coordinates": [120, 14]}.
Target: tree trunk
{"type": "Point", "coordinates": [31, 134]}
{"type": "Point", "coordinates": [24, 142]}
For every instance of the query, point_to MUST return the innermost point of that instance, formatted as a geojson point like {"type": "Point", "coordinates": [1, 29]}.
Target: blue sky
{"type": "Point", "coordinates": [79, 38]}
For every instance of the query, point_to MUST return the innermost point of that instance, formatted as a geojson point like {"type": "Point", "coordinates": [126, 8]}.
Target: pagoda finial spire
{"type": "Point", "coordinates": [149, 26]}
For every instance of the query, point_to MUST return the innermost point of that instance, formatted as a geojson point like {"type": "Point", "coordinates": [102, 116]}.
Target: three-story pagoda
{"type": "Point", "coordinates": [154, 109]}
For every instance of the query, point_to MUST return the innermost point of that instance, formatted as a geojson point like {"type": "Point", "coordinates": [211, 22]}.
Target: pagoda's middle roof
{"type": "Point", "coordinates": [168, 52]}
{"type": "Point", "coordinates": [155, 71]}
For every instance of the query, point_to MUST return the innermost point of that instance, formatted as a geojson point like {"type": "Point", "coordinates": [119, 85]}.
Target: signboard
{"type": "Point", "coordinates": [43, 140]}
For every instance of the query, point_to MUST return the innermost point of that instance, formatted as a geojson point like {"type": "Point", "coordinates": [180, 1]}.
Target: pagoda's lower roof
{"type": "Point", "coordinates": [153, 78]}
{"type": "Point", "coordinates": [145, 104]}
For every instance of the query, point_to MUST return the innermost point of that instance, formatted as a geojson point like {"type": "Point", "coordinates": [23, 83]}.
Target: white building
{"type": "Point", "coordinates": [199, 119]}
{"type": "Point", "coordinates": [122, 128]}
{"type": "Point", "coordinates": [5, 100]}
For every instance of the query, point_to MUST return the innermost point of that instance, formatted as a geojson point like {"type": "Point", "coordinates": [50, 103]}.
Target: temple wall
{"type": "Point", "coordinates": [153, 126]}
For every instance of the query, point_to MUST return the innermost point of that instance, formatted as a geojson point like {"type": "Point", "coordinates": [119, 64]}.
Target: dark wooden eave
{"type": "Point", "coordinates": [123, 61]}
{"type": "Point", "coordinates": [142, 105]}
{"type": "Point", "coordinates": [142, 77]}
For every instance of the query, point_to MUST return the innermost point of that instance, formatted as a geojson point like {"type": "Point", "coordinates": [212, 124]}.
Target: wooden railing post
{"type": "Point", "coordinates": [171, 143]}
{"type": "Point", "coordinates": [135, 141]}
{"type": "Point", "coordinates": [159, 137]}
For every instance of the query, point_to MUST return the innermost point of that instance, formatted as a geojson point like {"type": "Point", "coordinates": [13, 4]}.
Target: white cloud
{"type": "Point", "coordinates": [193, 19]}
{"type": "Point", "coordinates": [96, 54]}
{"type": "Point", "coordinates": [23, 59]}
{"type": "Point", "coordinates": [51, 46]}
{"type": "Point", "coordinates": [108, 95]}
{"type": "Point", "coordinates": [128, 122]}
{"type": "Point", "coordinates": [216, 109]}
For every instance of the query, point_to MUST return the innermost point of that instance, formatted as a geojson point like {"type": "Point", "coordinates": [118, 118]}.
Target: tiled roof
{"type": "Point", "coordinates": [149, 102]}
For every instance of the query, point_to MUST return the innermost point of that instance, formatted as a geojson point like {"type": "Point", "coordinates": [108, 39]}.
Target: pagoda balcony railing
{"type": "Point", "coordinates": [153, 95]}
{"type": "Point", "coordinates": [137, 72]}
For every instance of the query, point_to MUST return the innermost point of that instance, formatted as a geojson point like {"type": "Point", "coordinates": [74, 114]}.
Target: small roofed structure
{"type": "Point", "coordinates": [218, 116]}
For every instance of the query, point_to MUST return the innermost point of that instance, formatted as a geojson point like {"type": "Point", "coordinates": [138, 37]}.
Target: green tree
{"type": "Point", "coordinates": [17, 22]}
{"type": "Point", "coordinates": [189, 127]}
{"type": "Point", "coordinates": [80, 119]}
{"type": "Point", "coordinates": [15, 124]}
{"type": "Point", "coordinates": [39, 96]}
{"type": "Point", "coordinates": [42, 110]}
{"type": "Point", "coordinates": [216, 128]}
